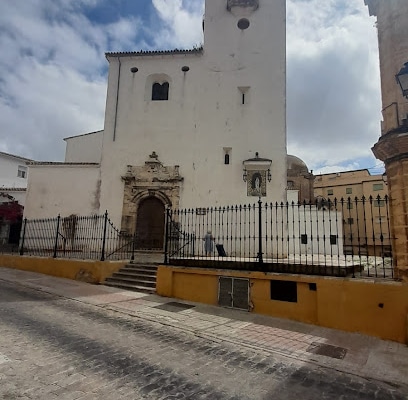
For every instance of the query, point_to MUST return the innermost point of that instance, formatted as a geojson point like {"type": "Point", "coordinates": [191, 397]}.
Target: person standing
{"type": "Point", "coordinates": [208, 243]}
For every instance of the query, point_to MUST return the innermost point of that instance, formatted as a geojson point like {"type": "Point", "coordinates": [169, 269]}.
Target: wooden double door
{"type": "Point", "coordinates": [150, 224]}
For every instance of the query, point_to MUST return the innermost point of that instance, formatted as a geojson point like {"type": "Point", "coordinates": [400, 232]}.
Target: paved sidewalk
{"type": "Point", "coordinates": [354, 354]}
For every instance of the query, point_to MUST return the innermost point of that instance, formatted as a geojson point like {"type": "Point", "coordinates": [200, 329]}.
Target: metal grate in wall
{"type": "Point", "coordinates": [233, 292]}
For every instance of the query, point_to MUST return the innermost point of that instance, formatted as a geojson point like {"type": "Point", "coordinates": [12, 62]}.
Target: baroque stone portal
{"type": "Point", "coordinates": [152, 180]}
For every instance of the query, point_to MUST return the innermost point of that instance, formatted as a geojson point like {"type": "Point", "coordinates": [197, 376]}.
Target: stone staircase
{"type": "Point", "coordinates": [139, 277]}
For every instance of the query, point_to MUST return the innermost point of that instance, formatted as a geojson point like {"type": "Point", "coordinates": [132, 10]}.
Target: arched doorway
{"type": "Point", "coordinates": [150, 224]}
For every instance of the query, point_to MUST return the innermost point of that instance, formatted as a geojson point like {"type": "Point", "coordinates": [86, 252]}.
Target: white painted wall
{"type": "Point", "coordinates": [204, 113]}
{"type": "Point", "coordinates": [84, 148]}
{"type": "Point", "coordinates": [62, 189]}
{"type": "Point", "coordinates": [8, 171]}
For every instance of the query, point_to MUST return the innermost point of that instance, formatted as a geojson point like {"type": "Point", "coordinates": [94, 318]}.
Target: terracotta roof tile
{"type": "Point", "coordinates": [73, 164]}
{"type": "Point", "coordinates": [154, 52]}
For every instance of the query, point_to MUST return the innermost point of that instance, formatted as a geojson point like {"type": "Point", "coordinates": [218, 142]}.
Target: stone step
{"type": "Point", "coordinates": [150, 257]}
{"type": "Point", "coordinates": [138, 282]}
{"type": "Point", "coordinates": [135, 275]}
{"type": "Point", "coordinates": [127, 286]}
{"type": "Point", "coordinates": [142, 267]}
{"type": "Point", "coordinates": [139, 270]}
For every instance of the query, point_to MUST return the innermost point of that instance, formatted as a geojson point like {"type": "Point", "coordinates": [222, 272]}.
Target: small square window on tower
{"type": "Point", "coordinates": [227, 155]}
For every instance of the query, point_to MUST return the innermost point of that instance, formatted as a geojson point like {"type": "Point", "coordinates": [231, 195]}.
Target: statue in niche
{"type": "Point", "coordinates": [256, 183]}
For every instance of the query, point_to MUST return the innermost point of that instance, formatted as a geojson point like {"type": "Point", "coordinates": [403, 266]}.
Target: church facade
{"type": "Point", "coordinates": [183, 128]}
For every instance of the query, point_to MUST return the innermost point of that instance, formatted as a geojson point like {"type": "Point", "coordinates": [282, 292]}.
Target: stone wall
{"type": "Point", "coordinates": [393, 45]}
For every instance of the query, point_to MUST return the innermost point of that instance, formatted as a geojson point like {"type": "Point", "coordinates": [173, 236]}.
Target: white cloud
{"type": "Point", "coordinates": [49, 103]}
{"type": "Point", "coordinates": [337, 168]}
{"type": "Point", "coordinates": [52, 82]}
{"type": "Point", "coordinates": [182, 22]}
{"type": "Point", "coordinates": [333, 82]}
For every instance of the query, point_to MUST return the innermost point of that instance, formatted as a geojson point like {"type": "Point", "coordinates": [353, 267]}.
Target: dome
{"type": "Point", "coordinates": [295, 163]}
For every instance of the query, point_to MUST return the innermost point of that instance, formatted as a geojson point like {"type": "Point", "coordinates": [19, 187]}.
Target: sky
{"type": "Point", "coordinates": [53, 72]}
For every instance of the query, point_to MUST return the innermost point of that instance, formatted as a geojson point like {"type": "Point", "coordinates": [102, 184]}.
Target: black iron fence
{"type": "Point", "coordinates": [328, 237]}
{"type": "Point", "coordinates": [82, 237]}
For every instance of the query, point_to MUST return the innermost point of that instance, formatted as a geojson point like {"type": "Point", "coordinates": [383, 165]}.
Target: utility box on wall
{"type": "Point", "coordinates": [233, 292]}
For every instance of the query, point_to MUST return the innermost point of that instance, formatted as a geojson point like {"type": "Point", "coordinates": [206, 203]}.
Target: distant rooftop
{"type": "Point", "coordinates": [83, 134]}
{"type": "Point", "coordinates": [72, 164]}
{"type": "Point", "coordinates": [347, 172]}
{"type": "Point", "coordinates": [12, 189]}
{"type": "Point", "coordinates": [15, 156]}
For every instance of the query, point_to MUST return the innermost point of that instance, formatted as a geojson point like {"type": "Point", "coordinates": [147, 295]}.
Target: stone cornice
{"type": "Point", "coordinates": [392, 146]}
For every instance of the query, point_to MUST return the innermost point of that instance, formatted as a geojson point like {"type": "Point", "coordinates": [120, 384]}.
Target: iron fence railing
{"type": "Point", "coordinates": [329, 237]}
{"type": "Point", "coordinates": [82, 237]}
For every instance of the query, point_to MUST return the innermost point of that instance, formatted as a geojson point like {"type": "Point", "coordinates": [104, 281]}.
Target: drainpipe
{"type": "Point", "coordinates": [117, 101]}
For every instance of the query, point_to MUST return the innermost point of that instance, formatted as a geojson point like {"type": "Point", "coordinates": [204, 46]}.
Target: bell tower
{"type": "Point", "coordinates": [244, 89]}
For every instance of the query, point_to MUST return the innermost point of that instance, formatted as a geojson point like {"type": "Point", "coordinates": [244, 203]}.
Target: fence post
{"type": "Point", "coordinates": [56, 236]}
{"type": "Point", "coordinates": [23, 237]}
{"type": "Point", "coordinates": [260, 257]}
{"type": "Point", "coordinates": [132, 258]}
{"type": "Point", "coordinates": [166, 242]}
{"type": "Point", "coordinates": [105, 225]}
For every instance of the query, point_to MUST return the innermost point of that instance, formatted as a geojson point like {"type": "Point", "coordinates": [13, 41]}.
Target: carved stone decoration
{"type": "Point", "coordinates": [248, 5]}
{"type": "Point", "coordinates": [153, 179]}
{"type": "Point", "coordinates": [256, 183]}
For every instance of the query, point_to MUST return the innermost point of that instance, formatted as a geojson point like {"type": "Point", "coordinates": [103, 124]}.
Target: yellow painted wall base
{"type": "Point", "coordinates": [80, 270]}
{"type": "Point", "coordinates": [377, 308]}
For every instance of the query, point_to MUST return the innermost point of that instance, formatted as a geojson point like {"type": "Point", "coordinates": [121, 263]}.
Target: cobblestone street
{"type": "Point", "coordinates": [107, 344]}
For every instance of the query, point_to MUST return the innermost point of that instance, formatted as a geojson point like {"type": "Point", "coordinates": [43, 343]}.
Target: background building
{"type": "Point", "coordinates": [300, 179]}
{"type": "Point", "coordinates": [13, 184]}
{"type": "Point", "coordinates": [363, 202]}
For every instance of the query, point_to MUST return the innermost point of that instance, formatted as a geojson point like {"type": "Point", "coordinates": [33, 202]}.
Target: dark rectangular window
{"type": "Point", "coordinates": [333, 239]}
{"type": "Point", "coordinates": [303, 239]}
{"type": "Point", "coordinates": [284, 291]}
{"type": "Point", "coordinates": [313, 287]}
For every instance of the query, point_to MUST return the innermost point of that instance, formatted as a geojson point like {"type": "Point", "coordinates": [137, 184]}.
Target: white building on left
{"type": "Point", "coordinates": [13, 186]}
